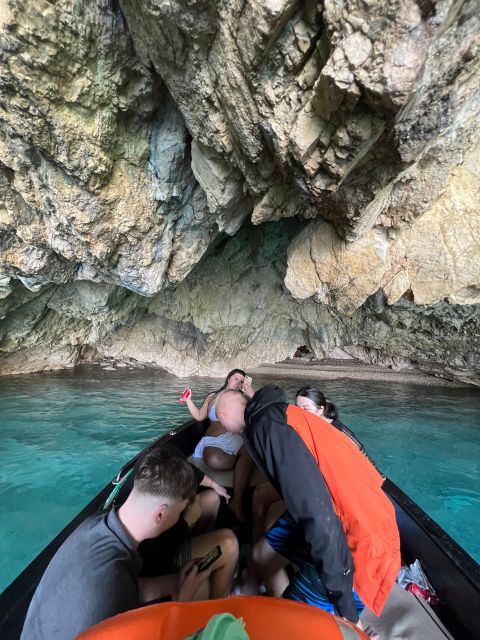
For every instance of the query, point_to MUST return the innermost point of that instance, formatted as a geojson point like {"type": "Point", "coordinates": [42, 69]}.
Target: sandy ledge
{"type": "Point", "coordinates": [334, 369]}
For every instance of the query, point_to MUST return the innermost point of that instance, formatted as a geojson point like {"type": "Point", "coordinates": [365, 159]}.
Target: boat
{"type": "Point", "coordinates": [454, 575]}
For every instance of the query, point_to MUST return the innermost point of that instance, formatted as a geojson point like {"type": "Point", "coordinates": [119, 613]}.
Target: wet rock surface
{"type": "Point", "coordinates": [137, 138]}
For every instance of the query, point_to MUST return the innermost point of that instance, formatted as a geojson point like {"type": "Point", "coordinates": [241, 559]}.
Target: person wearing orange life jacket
{"type": "Point", "coordinates": [267, 505]}
{"type": "Point", "coordinates": [341, 525]}
{"type": "Point", "coordinates": [312, 399]}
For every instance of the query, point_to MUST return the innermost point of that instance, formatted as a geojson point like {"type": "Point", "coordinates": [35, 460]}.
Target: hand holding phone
{"type": "Point", "coordinates": [204, 563]}
{"type": "Point", "coordinates": [186, 394]}
{"type": "Point", "coordinates": [188, 583]}
{"type": "Point", "coordinates": [247, 388]}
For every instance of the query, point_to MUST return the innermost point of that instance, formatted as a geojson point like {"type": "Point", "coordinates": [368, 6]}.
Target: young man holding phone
{"type": "Point", "coordinates": [96, 573]}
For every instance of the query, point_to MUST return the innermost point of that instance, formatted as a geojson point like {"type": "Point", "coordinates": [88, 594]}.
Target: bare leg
{"type": "Point", "coordinates": [158, 587]}
{"type": "Point", "coordinates": [241, 476]}
{"type": "Point", "coordinates": [270, 565]}
{"type": "Point", "coordinates": [255, 572]}
{"type": "Point", "coordinates": [209, 502]}
{"type": "Point", "coordinates": [242, 465]}
{"type": "Point", "coordinates": [263, 496]}
{"type": "Point", "coordinates": [221, 572]}
{"type": "Point", "coordinates": [218, 459]}
{"type": "Point", "coordinates": [274, 511]}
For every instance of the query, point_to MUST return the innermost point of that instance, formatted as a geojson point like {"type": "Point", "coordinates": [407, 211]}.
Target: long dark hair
{"type": "Point", "coordinates": [331, 412]}
{"type": "Point", "coordinates": [229, 375]}
{"type": "Point", "coordinates": [318, 398]}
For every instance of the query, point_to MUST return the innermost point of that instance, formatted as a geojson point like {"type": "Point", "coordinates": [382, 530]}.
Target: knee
{"type": "Point", "coordinates": [210, 500]}
{"type": "Point", "coordinates": [258, 553]}
{"type": "Point", "coordinates": [229, 544]}
{"type": "Point", "coordinates": [215, 458]}
{"type": "Point", "coordinates": [212, 458]}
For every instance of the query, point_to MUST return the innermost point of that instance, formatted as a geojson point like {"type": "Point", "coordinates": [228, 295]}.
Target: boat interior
{"type": "Point", "coordinates": [454, 575]}
{"type": "Point", "coordinates": [405, 614]}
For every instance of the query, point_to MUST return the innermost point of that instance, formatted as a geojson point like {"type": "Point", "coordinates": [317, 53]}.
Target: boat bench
{"type": "Point", "coordinates": [225, 478]}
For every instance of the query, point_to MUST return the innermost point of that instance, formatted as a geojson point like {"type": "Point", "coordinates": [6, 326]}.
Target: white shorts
{"type": "Point", "coordinates": [227, 442]}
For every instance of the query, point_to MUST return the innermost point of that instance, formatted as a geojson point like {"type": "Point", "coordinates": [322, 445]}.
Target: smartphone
{"type": "Point", "coordinates": [248, 379]}
{"type": "Point", "coordinates": [209, 559]}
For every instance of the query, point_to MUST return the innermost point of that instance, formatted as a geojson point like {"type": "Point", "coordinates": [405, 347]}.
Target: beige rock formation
{"type": "Point", "coordinates": [436, 258]}
{"type": "Point", "coordinates": [137, 137]}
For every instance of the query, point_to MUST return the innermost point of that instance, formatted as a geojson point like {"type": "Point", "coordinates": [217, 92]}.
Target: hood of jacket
{"type": "Point", "coordinates": [263, 398]}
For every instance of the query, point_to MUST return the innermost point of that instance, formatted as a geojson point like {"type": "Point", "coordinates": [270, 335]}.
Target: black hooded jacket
{"type": "Point", "coordinates": [281, 453]}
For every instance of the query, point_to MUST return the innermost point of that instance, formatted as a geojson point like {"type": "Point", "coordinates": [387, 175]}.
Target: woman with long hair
{"type": "Point", "coordinates": [220, 449]}
{"type": "Point", "coordinates": [313, 400]}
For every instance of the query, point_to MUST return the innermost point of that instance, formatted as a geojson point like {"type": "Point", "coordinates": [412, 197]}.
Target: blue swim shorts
{"type": "Point", "coordinates": [286, 537]}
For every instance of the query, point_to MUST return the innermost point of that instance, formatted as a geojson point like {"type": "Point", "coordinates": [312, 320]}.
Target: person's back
{"type": "Point", "coordinates": [94, 575]}
{"type": "Point", "coordinates": [322, 478]}
{"type": "Point", "coordinates": [320, 472]}
{"type": "Point", "coordinates": [367, 515]}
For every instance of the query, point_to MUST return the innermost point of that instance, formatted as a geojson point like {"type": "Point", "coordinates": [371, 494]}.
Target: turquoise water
{"type": "Point", "coordinates": [64, 435]}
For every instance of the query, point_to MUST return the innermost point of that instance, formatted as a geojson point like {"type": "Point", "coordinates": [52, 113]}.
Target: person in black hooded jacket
{"type": "Point", "coordinates": [326, 563]}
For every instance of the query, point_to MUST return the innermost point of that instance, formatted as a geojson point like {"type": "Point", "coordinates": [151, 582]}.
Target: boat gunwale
{"type": "Point", "coordinates": [463, 561]}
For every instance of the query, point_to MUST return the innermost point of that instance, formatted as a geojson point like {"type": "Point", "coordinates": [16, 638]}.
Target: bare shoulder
{"type": "Point", "coordinates": [209, 398]}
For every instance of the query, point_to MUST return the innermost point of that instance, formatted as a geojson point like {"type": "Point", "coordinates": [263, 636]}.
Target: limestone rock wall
{"type": "Point", "coordinates": [247, 316]}
{"type": "Point", "coordinates": [137, 136]}
{"type": "Point", "coordinates": [435, 258]}
{"type": "Point", "coordinates": [96, 179]}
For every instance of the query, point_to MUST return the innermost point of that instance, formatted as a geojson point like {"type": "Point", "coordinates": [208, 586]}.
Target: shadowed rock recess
{"type": "Point", "coordinates": [198, 184]}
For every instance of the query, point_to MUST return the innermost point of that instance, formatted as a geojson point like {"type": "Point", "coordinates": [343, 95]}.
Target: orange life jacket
{"type": "Point", "coordinates": [366, 513]}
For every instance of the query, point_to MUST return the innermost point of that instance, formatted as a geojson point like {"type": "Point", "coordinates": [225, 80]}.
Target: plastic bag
{"type": "Point", "coordinates": [412, 578]}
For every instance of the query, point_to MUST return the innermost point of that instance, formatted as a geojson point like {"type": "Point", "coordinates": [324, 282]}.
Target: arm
{"type": "Point", "coordinates": [295, 472]}
{"type": "Point", "coordinates": [196, 413]}
{"type": "Point", "coordinates": [206, 481]}
{"type": "Point", "coordinates": [190, 581]}
{"type": "Point", "coordinates": [181, 586]}
{"type": "Point", "coordinates": [212, 484]}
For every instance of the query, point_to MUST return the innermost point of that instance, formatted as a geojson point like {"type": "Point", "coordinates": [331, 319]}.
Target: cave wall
{"type": "Point", "coordinates": [199, 185]}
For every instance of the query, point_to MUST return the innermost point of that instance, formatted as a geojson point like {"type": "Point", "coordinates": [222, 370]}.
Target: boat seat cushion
{"type": "Point", "coordinates": [225, 478]}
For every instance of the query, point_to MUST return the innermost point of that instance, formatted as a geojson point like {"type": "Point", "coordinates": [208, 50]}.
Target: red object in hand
{"type": "Point", "coordinates": [186, 394]}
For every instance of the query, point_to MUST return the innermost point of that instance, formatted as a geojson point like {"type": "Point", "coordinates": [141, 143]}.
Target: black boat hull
{"type": "Point", "coordinates": [454, 575]}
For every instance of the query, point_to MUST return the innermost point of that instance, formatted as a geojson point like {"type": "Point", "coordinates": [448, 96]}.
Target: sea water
{"type": "Point", "coordinates": [64, 435]}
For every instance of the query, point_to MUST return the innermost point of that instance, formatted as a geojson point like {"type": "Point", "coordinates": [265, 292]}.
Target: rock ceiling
{"type": "Point", "coordinates": [199, 184]}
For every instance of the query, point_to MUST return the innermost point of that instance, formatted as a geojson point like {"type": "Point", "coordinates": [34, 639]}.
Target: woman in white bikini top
{"type": "Point", "coordinates": [219, 448]}
{"type": "Point", "coordinates": [234, 380]}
